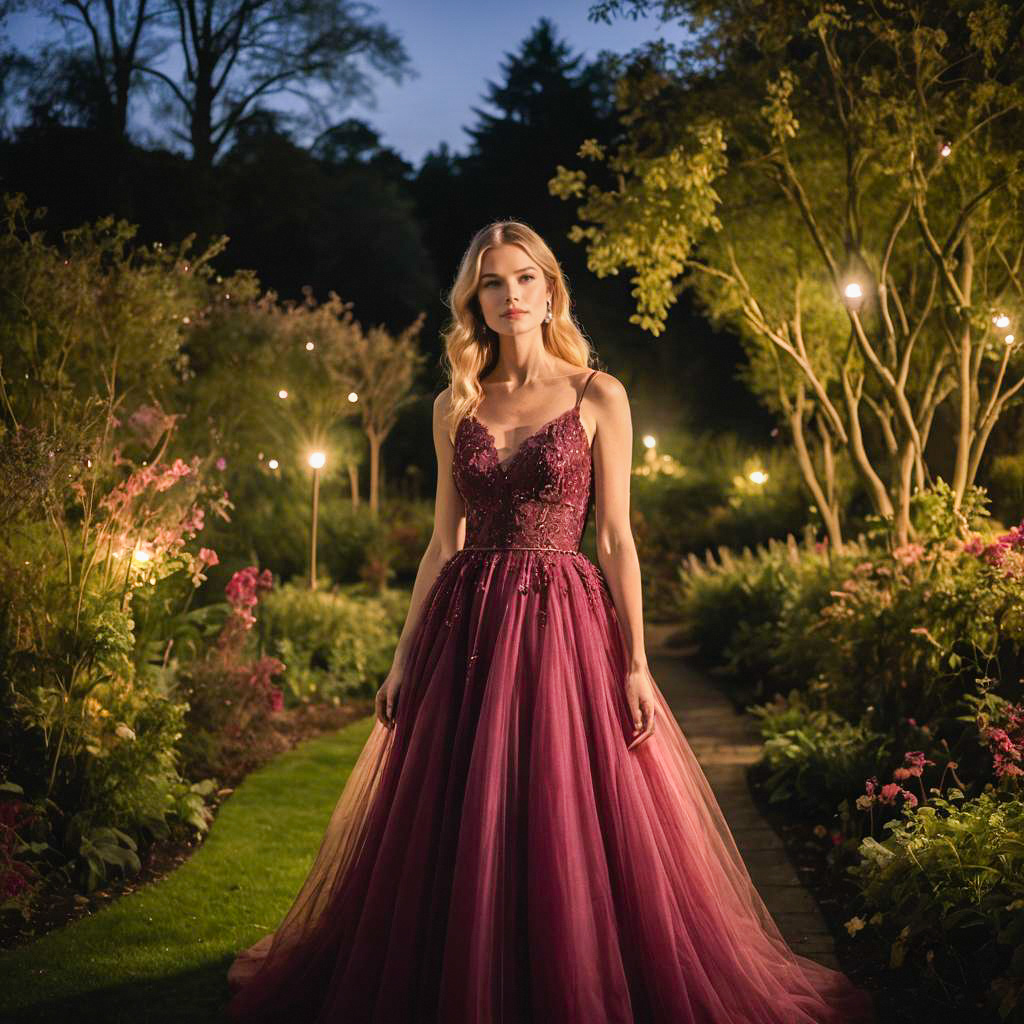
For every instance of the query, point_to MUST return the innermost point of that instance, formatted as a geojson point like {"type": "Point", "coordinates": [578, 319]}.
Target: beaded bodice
{"type": "Point", "coordinates": [540, 497]}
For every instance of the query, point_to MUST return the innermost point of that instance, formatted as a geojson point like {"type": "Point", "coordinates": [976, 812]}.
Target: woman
{"type": "Point", "coordinates": [526, 835]}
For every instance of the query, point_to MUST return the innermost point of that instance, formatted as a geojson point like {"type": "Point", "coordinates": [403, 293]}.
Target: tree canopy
{"type": "Point", "coordinates": [843, 184]}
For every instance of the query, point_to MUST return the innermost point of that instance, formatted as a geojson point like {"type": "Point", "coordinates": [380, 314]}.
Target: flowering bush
{"type": "Point", "coordinates": [944, 892]}
{"type": "Point", "coordinates": [97, 564]}
{"type": "Point", "coordinates": [904, 715]}
{"type": "Point", "coordinates": [230, 690]}
{"type": "Point", "coordinates": [18, 877]}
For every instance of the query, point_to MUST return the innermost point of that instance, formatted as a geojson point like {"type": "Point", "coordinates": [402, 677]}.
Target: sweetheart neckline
{"type": "Point", "coordinates": [503, 466]}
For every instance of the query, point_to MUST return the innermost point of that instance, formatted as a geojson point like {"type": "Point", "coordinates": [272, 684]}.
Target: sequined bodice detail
{"type": "Point", "coordinates": [539, 497]}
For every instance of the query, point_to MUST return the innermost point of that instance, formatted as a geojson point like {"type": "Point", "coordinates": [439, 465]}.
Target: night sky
{"type": "Point", "coordinates": [456, 46]}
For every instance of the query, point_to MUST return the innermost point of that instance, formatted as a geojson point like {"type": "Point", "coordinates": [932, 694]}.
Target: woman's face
{"type": "Point", "coordinates": [510, 280]}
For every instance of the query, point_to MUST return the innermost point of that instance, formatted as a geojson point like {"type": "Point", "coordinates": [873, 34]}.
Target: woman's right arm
{"type": "Point", "coordinates": [446, 539]}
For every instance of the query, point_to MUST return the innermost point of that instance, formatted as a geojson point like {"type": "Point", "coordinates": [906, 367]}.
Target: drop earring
{"type": "Point", "coordinates": [547, 318]}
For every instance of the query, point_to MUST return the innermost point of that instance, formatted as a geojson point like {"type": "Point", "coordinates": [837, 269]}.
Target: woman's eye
{"type": "Point", "coordinates": [522, 277]}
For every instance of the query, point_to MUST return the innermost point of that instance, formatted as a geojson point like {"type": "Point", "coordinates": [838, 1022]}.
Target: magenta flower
{"type": "Point", "coordinates": [891, 790]}
{"type": "Point", "coordinates": [974, 546]}
{"type": "Point", "coordinates": [913, 765]}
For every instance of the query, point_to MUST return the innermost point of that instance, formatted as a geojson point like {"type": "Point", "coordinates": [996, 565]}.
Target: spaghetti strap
{"type": "Point", "coordinates": [584, 391]}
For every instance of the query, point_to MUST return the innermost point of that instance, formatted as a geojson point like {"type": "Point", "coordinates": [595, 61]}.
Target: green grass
{"type": "Point", "coordinates": [162, 953]}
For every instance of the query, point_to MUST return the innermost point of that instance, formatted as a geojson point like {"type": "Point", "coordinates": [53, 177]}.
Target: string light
{"type": "Point", "coordinates": [282, 393]}
{"type": "Point", "coordinates": [1001, 320]}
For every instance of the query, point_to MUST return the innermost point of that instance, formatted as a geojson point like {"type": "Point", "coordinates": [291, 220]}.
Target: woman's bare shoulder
{"type": "Point", "coordinates": [607, 389]}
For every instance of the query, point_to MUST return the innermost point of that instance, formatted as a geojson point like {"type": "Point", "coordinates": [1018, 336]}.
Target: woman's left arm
{"type": "Point", "coordinates": [616, 549]}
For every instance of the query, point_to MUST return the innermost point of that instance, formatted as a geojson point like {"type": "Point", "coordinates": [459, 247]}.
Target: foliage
{"type": "Point", "coordinates": [815, 756]}
{"type": "Point", "coordinates": [906, 664]}
{"type": "Point", "coordinates": [708, 501]}
{"type": "Point", "coordinates": [736, 608]}
{"type": "Point", "coordinates": [230, 689]}
{"type": "Point", "coordinates": [945, 891]}
{"type": "Point", "coordinates": [333, 645]}
{"type": "Point", "coordinates": [784, 154]}
{"type": "Point", "coordinates": [97, 570]}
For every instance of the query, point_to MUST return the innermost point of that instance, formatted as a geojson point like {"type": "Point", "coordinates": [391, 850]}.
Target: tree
{"type": "Point", "coordinates": [381, 368]}
{"type": "Point", "coordinates": [111, 43]}
{"type": "Point", "coordinates": [235, 55]}
{"type": "Point", "coordinates": [785, 158]}
{"type": "Point", "coordinates": [241, 52]}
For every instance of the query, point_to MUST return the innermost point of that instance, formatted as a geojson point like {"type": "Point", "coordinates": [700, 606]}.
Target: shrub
{"type": "Point", "coordinates": [945, 891]}
{"type": "Point", "coordinates": [333, 645]}
{"type": "Point", "coordinates": [814, 755]}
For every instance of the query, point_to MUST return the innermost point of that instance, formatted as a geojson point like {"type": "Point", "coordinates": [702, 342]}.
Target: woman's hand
{"type": "Point", "coordinates": [387, 697]}
{"type": "Point", "coordinates": [640, 695]}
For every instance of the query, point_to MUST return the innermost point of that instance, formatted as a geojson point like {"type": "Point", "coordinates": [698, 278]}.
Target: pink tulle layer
{"type": "Point", "coordinates": [500, 857]}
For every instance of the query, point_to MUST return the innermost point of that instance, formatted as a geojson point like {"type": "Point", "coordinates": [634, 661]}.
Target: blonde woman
{"type": "Point", "coordinates": [526, 835]}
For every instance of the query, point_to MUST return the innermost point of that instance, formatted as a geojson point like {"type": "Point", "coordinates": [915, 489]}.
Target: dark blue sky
{"type": "Point", "coordinates": [456, 46]}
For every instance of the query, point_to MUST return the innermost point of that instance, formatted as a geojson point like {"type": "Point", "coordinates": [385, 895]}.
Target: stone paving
{"type": "Point", "coordinates": [726, 742]}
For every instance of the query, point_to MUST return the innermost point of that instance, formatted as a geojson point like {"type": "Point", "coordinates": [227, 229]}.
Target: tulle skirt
{"type": "Point", "coordinates": [500, 857]}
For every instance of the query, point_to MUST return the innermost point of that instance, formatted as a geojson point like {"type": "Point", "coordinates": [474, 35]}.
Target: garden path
{"type": "Point", "coordinates": [726, 743]}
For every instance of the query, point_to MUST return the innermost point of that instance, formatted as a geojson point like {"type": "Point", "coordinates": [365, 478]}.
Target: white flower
{"type": "Point", "coordinates": [124, 731]}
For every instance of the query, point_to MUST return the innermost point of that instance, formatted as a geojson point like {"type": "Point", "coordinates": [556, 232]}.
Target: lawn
{"type": "Point", "coordinates": [162, 953]}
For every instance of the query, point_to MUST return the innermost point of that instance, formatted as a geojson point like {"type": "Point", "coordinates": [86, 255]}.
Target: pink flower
{"type": "Point", "coordinates": [975, 545]}
{"type": "Point", "coordinates": [208, 556]}
{"type": "Point", "coordinates": [891, 790]}
{"type": "Point", "coordinates": [173, 474]}
{"type": "Point", "coordinates": [244, 588]}
{"type": "Point", "coordinates": [1000, 739]}
{"type": "Point", "coordinates": [914, 762]}
{"type": "Point", "coordinates": [221, 463]}
{"type": "Point", "coordinates": [193, 521]}
{"type": "Point", "coordinates": [871, 785]}
{"type": "Point", "coordinates": [908, 554]}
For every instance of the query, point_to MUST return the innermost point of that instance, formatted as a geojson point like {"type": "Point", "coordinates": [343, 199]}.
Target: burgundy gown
{"type": "Point", "coordinates": [499, 856]}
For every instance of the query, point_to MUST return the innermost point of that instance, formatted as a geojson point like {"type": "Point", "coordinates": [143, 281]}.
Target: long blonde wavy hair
{"type": "Point", "coordinates": [471, 347]}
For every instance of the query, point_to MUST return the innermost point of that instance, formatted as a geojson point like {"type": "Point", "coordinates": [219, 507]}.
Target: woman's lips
{"type": "Point", "coordinates": [514, 316]}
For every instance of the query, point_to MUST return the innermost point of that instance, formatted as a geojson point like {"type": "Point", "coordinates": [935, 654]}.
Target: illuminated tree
{"type": "Point", "coordinates": [796, 153]}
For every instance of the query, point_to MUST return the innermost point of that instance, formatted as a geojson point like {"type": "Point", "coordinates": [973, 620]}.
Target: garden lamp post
{"type": "Point", "coordinates": [650, 443]}
{"type": "Point", "coordinates": [316, 460]}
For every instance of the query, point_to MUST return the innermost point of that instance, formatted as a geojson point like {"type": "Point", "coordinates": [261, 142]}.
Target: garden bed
{"type": "Point", "coordinates": [61, 902]}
